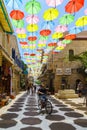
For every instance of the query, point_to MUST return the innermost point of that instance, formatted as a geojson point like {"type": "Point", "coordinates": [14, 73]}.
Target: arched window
{"type": "Point", "coordinates": [71, 55]}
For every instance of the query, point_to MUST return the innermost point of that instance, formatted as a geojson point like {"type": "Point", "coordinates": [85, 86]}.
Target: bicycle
{"type": "Point", "coordinates": [45, 104]}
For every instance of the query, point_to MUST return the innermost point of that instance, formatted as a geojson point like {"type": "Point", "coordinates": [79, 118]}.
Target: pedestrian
{"type": "Point", "coordinates": [79, 88]}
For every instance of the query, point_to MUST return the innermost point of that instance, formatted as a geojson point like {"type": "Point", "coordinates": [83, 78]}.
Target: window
{"type": "Point", "coordinates": [71, 55]}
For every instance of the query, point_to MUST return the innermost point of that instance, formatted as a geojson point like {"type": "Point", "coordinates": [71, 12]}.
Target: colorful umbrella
{"type": "Point", "coordinates": [52, 44]}
{"type": "Point", "coordinates": [70, 36]}
{"type": "Point", "coordinates": [13, 3]}
{"type": "Point", "coordinates": [66, 41]}
{"type": "Point", "coordinates": [82, 21]}
{"type": "Point", "coordinates": [57, 35]}
{"type": "Point", "coordinates": [32, 19]}
{"type": "Point", "coordinates": [75, 30]}
{"type": "Point", "coordinates": [33, 38]}
{"type": "Point", "coordinates": [18, 23]}
{"type": "Point", "coordinates": [45, 32]}
{"type": "Point", "coordinates": [61, 28]}
{"type": "Point", "coordinates": [85, 11]}
{"type": "Point", "coordinates": [32, 7]}
{"type": "Point", "coordinates": [43, 38]}
{"type": "Point", "coordinates": [74, 6]}
{"type": "Point", "coordinates": [20, 30]}
{"type": "Point", "coordinates": [32, 27]}
{"type": "Point", "coordinates": [21, 35]}
{"type": "Point", "coordinates": [54, 3]}
{"type": "Point", "coordinates": [47, 24]}
{"type": "Point", "coordinates": [16, 14]}
{"type": "Point", "coordinates": [50, 14]}
{"type": "Point", "coordinates": [66, 19]}
{"type": "Point", "coordinates": [23, 43]}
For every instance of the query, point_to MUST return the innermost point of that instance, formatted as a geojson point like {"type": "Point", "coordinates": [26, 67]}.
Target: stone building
{"type": "Point", "coordinates": [9, 55]}
{"type": "Point", "coordinates": [61, 69]}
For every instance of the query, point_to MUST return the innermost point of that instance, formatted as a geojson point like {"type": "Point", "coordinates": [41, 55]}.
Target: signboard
{"type": "Point", "coordinates": [63, 71]}
{"type": "Point", "coordinates": [59, 71]}
{"type": "Point", "coordinates": [67, 71]}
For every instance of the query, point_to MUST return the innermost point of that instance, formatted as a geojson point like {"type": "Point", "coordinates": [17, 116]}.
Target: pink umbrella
{"type": "Point", "coordinates": [85, 11]}
{"type": "Point", "coordinates": [61, 28]}
{"type": "Point", "coordinates": [60, 44]}
{"type": "Point", "coordinates": [20, 30]}
{"type": "Point", "coordinates": [32, 19]}
{"type": "Point", "coordinates": [54, 3]}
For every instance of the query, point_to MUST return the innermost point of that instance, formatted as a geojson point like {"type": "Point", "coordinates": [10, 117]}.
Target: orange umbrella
{"type": "Point", "coordinates": [32, 38]}
{"type": "Point", "coordinates": [45, 32]}
{"type": "Point", "coordinates": [16, 14]}
{"type": "Point", "coordinates": [74, 6]}
{"type": "Point", "coordinates": [23, 43]}
{"type": "Point", "coordinates": [70, 36]}
{"type": "Point", "coordinates": [52, 44]}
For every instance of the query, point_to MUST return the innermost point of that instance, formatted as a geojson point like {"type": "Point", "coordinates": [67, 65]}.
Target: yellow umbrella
{"type": "Point", "coordinates": [57, 35]}
{"type": "Point", "coordinates": [24, 46]}
{"type": "Point", "coordinates": [21, 35]}
{"type": "Point", "coordinates": [50, 14]}
{"type": "Point", "coordinates": [32, 47]}
{"type": "Point", "coordinates": [82, 21]}
{"type": "Point", "coordinates": [59, 48]}
{"type": "Point", "coordinates": [32, 27]}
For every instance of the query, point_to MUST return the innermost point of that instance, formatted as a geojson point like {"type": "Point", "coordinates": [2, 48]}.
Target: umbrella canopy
{"type": "Point", "coordinates": [23, 43]}
{"type": "Point", "coordinates": [21, 35]}
{"type": "Point", "coordinates": [16, 14]}
{"type": "Point", "coordinates": [57, 35]}
{"type": "Point", "coordinates": [75, 30]}
{"type": "Point", "coordinates": [20, 30]}
{"type": "Point", "coordinates": [50, 14]}
{"type": "Point", "coordinates": [66, 41]}
{"type": "Point", "coordinates": [45, 32]}
{"type": "Point", "coordinates": [32, 7]}
{"type": "Point", "coordinates": [66, 19]}
{"type": "Point", "coordinates": [33, 38]}
{"type": "Point", "coordinates": [32, 27]}
{"type": "Point", "coordinates": [82, 21]}
{"type": "Point", "coordinates": [13, 3]}
{"type": "Point", "coordinates": [85, 11]}
{"type": "Point", "coordinates": [18, 23]}
{"type": "Point", "coordinates": [54, 3]}
{"type": "Point", "coordinates": [61, 28]}
{"type": "Point", "coordinates": [70, 36]}
{"type": "Point", "coordinates": [74, 6]}
{"type": "Point", "coordinates": [32, 19]}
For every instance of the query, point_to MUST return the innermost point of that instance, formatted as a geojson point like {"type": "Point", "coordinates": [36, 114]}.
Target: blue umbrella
{"type": "Point", "coordinates": [75, 30]}
{"type": "Point", "coordinates": [48, 24]}
{"type": "Point", "coordinates": [13, 3]}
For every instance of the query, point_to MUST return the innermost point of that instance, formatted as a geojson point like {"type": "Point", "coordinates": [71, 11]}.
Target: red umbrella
{"type": "Point", "coordinates": [26, 54]}
{"type": "Point", "coordinates": [32, 38]}
{"type": "Point", "coordinates": [16, 14]}
{"type": "Point", "coordinates": [32, 54]}
{"type": "Point", "coordinates": [70, 36]}
{"type": "Point", "coordinates": [23, 43]}
{"type": "Point", "coordinates": [52, 44]}
{"type": "Point", "coordinates": [55, 52]}
{"type": "Point", "coordinates": [74, 6]}
{"type": "Point", "coordinates": [45, 32]}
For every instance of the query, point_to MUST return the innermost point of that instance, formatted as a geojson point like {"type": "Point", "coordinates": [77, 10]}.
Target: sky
{"type": "Point", "coordinates": [61, 8]}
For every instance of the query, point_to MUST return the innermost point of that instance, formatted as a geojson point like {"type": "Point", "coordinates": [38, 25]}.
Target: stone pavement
{"type": "Point", "coordinates": [23, 114]}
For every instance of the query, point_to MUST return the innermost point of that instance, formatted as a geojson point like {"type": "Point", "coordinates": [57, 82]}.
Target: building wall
{"type": "Point", "coordinates": [61, 61]}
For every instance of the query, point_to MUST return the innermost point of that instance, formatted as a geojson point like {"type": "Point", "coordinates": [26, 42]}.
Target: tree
{"type": "Point", "coordinates": [83, 59]}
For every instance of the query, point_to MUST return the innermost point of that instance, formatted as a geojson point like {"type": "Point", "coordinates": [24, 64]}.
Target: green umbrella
{"type": "Point", "coordinates": [43, 38]}
{"type": "Point", "coordinates": [18, 23]}
{"type": "Point", "coordinates": [66, 41]}
{"type": "Point", "coordinates": [32, 7]}
{"type": "Point", "coordinates": [66, 19]}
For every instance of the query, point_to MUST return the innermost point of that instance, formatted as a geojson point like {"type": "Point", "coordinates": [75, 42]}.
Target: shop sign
{"type": "Point", "coordinates": [59, 71]}
{"type": "Point", "coordinates": [67, 71]}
